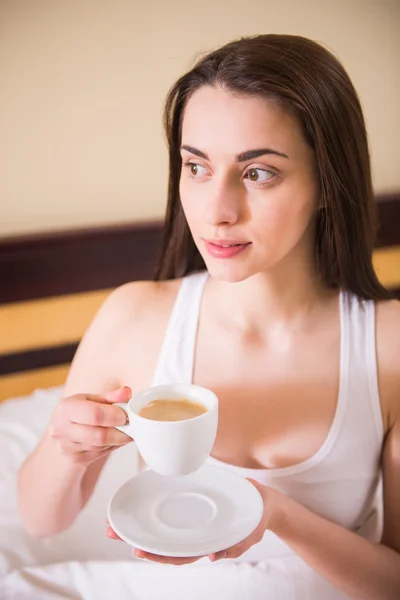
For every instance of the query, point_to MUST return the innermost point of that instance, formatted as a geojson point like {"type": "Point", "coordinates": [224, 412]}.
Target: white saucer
{"type": "Point", "coordinates": [193, 515]}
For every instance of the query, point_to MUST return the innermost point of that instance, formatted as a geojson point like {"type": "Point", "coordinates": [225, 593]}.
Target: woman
{"type": "Point", "coordinates": [266, 283]}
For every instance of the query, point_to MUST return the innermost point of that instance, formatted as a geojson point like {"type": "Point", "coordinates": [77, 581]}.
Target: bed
{"type": "Point", "coordinates": [51, 286]}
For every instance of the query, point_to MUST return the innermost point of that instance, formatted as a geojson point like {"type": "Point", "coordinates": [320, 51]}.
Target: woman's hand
{"type": "Point", "coordinates": [232, 552]}
{"type": "Point", "coordinates": [83, 426]}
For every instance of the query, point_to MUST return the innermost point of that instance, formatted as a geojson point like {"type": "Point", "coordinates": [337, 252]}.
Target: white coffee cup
{"type": "Point", "coordinates": [173, 447]}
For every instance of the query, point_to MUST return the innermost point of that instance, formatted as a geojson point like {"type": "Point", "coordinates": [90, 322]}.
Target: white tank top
{"type": "Point", "coordinates": [341, 481]}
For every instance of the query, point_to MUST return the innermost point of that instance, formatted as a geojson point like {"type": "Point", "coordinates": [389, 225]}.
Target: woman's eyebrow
{"type": "Point", "coordinates": [250, 154]}
{"type": "Point", "coordinates": [195, 151]}
{"type": "Point", "coordinates": [242, 157]}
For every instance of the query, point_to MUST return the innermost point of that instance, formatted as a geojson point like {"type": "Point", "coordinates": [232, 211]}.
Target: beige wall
{"type": "Point", "coordinates": [83, 81]}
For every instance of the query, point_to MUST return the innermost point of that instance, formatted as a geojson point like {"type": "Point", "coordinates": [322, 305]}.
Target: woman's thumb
{"type": "Point", "coordinates": [122, 394]}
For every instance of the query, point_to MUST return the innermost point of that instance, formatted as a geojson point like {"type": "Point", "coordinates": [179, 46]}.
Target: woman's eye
{"type": "Point", "coordinates": [259, 175]}
{"type": "Point", "coordinates": [195, 169]}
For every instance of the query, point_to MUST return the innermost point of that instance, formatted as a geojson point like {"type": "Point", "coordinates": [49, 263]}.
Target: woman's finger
{"type": "Point", "coordinates": [110, 533]}
{"type": "Point", "coordinates": [98, 437]}
{"type": "Point", "coordinates": [166, 560]}
{"type": "Point", "coordinates": [69, 447]}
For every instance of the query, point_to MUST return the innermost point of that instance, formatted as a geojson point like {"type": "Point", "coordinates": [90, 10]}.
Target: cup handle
{"type": "Point", "coordinates": [123, 428]}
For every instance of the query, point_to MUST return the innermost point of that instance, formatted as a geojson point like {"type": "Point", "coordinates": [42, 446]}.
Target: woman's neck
{"type": "Point", "coordinates": [277, 301]}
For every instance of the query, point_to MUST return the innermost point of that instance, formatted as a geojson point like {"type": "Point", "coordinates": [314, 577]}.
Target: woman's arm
{"type": "Point", "coordinates": [362, 569]}
{"type": "Point", "coordinates": [53, 485]}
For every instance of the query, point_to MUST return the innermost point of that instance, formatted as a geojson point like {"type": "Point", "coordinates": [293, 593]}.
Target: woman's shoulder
{"type": "Point", "coordinates": [388, 357]}
{"type": "Point", "coordinates": [388, 325]}
{"type": "Point", "coordinates": [137, 298]}
{"type": "Point", "coordinates": [121, 342]}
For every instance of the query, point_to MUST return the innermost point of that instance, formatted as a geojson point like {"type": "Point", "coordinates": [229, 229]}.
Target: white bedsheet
{"type": "Point", "coordinates": [125, 580]}
{"type": "Point", "coordinates": [81, 563]}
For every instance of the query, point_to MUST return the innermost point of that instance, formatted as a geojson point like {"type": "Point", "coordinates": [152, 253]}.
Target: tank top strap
{"type": "Point", "coordinates": [362, 364]}
{"type": "Point", "coordinates": [176, 359]}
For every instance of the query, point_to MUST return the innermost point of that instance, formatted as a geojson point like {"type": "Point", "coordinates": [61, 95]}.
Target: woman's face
{"type": "Point", "coordinates": [248, 185]}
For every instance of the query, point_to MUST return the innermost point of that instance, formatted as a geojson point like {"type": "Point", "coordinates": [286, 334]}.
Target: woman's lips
{"type": "Point", "coordinates": [222, 249]}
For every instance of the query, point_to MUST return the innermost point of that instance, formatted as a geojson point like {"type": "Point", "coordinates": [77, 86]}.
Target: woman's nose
{"type": "Point", "coordinates": [223, 206]}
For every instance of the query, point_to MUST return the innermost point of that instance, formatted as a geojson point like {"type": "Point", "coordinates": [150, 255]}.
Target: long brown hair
{"type": "Point", "coordinates": [310, 81]}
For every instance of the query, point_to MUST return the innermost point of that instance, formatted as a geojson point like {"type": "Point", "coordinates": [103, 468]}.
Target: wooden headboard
{"type": "Point", "coordinates": [52, 284]}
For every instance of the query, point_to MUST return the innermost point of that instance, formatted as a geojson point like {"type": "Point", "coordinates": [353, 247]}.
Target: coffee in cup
{"type": "Point", "coordinates": [164, 409]}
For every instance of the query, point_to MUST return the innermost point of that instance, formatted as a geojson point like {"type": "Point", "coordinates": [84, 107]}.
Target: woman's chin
{"type": "Point", "coordinates": [228, 271]}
